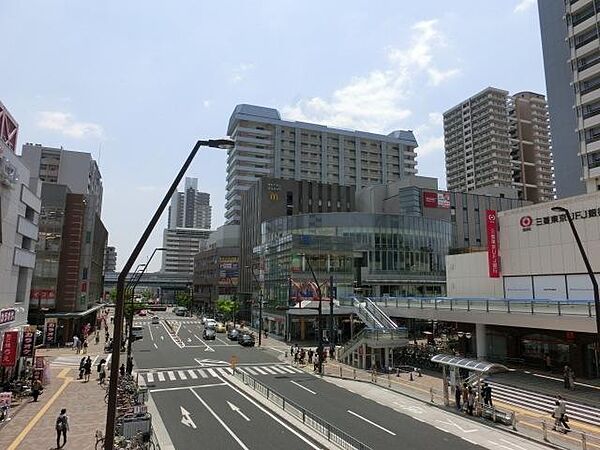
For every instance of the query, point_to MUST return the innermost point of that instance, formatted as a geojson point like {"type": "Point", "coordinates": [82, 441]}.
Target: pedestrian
{"type": "Point", "coordinates": [331, 352]}
{"type": "Point", "coordinates": [457, 396]}
{"type": "Point", "coordinates": [571, 379]}
{"type": "Point", "coordinates": [85, 346]}
{"type": "Point", "coordinates": [566, 377]}
{"type": "Point", "coordinates": [129, 367]}
{"type": "Point", "coordinates": [36, 389]}
{"type": "Point", "coordinates": [76, 343]}
{"type": "Point", "coordinates": [79, 345]}
{"type": "Point", "coordinates": [548, 362]}
{"type": "Point", "coordinates": [465, 396]}
{"type": "Point", "coordinates": [97, 337]}
{"type": "Point", "coordinates": [122, 370]}
{"type": "Point", "coordinates": [101, 372]}
{"type": "Point", "coordinates": [310, 355]}
{"type": "Point", "coordinates": [470, 400]}
{"type": "Point", "coordinates": [560, 415]}
{"type": "Point", "coordinates": [106, 336]}
{"type": "Point", "coordinates": [88, 369]}
{"type": "Point", "coordinates": [62, 426]}
{"type": "Point", "coordinates": [81, 368]}
{"type": "Point", "coordinates": [295, 358]}
{"type": "Point", "coordinates": [486, 393]}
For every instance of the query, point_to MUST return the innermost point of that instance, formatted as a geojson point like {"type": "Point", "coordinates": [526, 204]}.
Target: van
{"type": "Point", "coordinates": [137, 332]}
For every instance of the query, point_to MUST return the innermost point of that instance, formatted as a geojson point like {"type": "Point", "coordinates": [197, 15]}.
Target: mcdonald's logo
{"type": "Point", "coordinates": [273, 196]}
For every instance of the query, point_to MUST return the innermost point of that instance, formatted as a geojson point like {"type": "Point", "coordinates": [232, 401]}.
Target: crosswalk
{"type": "Point", "coordinates": [216, 372]}
{"type": "Point", "coordinates": [148, 320]}
{"type": "Point", "coordinates": [543, 403]}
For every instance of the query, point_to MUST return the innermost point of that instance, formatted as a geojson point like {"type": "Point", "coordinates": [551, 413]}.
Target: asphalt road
{"type": "Point", "coordinates": [187, 372]}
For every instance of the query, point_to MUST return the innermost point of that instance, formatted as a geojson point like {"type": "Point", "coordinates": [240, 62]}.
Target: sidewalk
{"type": "Point", "coordinates": [33, 424]}
{"type": "Point", "coordinates": [429, 389]}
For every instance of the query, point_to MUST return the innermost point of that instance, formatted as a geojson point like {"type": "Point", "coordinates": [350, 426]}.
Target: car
{"type": "Point", "coordinates": [155, 320]}
{"type": "Point", "coordinates": [181, 312]}
{"type": "Point", "coordinates": [137, 332]}
{"type": "Point", "coordinates": [246, 340]}
{"type": "Point", "coordinates": [210, 323]}
{"type": "Point", "coordinates": [219, 327]}
{"type": "Point", "coordinates": [209, 334]}
{"type": "Point", "coordinates": [142, 312]}
{"type": "Point", "coordinates": [233, 334]}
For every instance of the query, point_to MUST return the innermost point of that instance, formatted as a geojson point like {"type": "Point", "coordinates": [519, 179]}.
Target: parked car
{"type": "Point", "coordinates": [210, 323]}
{"type": "Point", "coordinates": [155, 320]}
{"type": "Point", "coordinates": [219, 327]}
{"type": "Point", "coordinates": [209, 334]}
{"type": "Point", "coordinates": [246, 340]}
{"type": "Point", "coordinates": [233, 334]}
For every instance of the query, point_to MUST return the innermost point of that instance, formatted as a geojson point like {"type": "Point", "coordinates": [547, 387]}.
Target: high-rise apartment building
{"type": "Point", "coordinates": [561, 98]}
{"type": "Point", "coordinates": [582, 22]}
{"type": "Point", "coordinates": [190, 208]}
{"type": "Point", "coordinates": [110, 259]}
{"type": "Point", "coordinates": [180, 245]}
{"type": "Point", "coordinates": [19, 215]}
{"type": "Point", "coordinates": [266, 145]}
{"type": "Point", "coordinates": [496, 140]}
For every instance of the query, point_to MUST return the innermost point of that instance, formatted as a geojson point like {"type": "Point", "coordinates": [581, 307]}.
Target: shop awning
{"type": "Point", "coordinates": [73, 315]}
{"type": "Point", "coordinates": [469, 364]}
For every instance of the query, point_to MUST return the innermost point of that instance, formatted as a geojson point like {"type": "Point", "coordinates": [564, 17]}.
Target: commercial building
{"type": "Point", "coordinates": [266, 145]}
{"type": "Point", "coordinates": [561, 98]}
{"type": "Point", "coordinates": [110, 259]}
{"type": "Point", "coordinates": [492, 139]}
{"type": "Point", "coordinates": [180, 246]}
{"type": "Point", "coordinates": [544, 281]}
{"type": "Point", "coordinates": [190, 208]}
{"type": "Point", "coordinates": [216, 268]}
{"type": "Point", "coordinates": [19, 215]}
{"type": "Point", "coordinates": [67, 281]}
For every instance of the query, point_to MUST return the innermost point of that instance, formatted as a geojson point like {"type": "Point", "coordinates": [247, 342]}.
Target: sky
{"type": "Point", "coordinates": [136, 83]}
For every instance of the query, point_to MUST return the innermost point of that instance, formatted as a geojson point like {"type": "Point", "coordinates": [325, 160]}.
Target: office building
{"type": "Point", "coordinates": [190, 208]}
{"type": "Point", "coordinates": [216, 268]}
{"type": "Point", "coordinates": [110, 259]}
{"type": "Point", "coordinates": [67, 279]}
{"type": "Point", "coordinates": [19, 215]}
{"type": "Point", "coordinates": [561, 98]}
{"type": "Point", "coordinates": [493, 139]}
{"type": "Point", "coordinates": [180, 246]}
{"type": "Point", "coordinates": [266, 145]}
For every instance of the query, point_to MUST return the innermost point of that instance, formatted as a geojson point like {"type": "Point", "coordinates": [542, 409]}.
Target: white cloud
{"type": "Point", "coordinates": [377, 101]}
{"type": "Point", "coordinates": [239, 73]}
{"type": "Point", "coordinates": [436, 118]}
{"type": "Point", "coordinates": [65, 123]}
{"type": "Point", "coordinates": [524, 5]}
{"type": "Point", "coordinates": [431, 145]}
{"type": "Point", "coordinates": [206, 103]}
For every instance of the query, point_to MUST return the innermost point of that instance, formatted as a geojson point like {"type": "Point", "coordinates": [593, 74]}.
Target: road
{"type": "Point", "coordinates": [190, 383]}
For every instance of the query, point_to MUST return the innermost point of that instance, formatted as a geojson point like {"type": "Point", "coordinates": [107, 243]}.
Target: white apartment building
{"type": "Point", "coordinates": [19, 214]}
{"type": "Point", "coordinates": [493, 139]}
{"type": "Point", "coordinates": [266, 145]}
{"type": "Point", "coordinates": [190, 208]}
{"type": "Point", "coordinates": [582, 33]}
{"type": "Point", "coordinates": [181, 244]}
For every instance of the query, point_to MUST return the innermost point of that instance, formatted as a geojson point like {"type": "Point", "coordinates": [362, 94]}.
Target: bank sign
{"type": "Point", "coordinates": [528, 223]}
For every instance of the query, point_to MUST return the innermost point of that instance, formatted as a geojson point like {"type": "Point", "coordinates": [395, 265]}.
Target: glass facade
{"type": "Point", "coordinates": [381, 253]}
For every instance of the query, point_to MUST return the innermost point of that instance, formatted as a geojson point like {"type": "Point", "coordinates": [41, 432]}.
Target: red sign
{"type": "Point", "coordinates": [9, 348]}
{"type": "Point", "coordinates": [492, 243]}
{"type": "Point", "coordinates": [7, 315]}
{"type": "Point", "coordinates": [27, 346]}
{"type": "Point", "coordinates": [430, 199]}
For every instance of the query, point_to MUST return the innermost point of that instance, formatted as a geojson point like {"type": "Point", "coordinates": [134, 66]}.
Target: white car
{"type": "Point", "coordinates": [210, 323]}
{"type": "Point", "coordinates": [155, 320]}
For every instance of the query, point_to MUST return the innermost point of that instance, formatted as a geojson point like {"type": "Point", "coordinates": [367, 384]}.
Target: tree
{"type": "Point", "coordinates": [183, 298]}
{"type": "Point", "coordinates": [113, 294]}
{"type": "Point", "coordinates": [227, 307]}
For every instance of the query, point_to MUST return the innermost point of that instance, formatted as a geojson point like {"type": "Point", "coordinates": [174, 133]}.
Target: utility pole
{"type": "Point", "coordinates": [331, 325]}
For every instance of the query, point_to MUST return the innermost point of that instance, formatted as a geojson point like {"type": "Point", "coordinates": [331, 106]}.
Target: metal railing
{"type": "Point", "coordinates": [324, 428]}
{"type": "Point", "coordinates": [583, 308]}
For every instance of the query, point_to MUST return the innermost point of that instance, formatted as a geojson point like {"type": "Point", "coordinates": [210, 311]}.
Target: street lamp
{"type": "Point", "coordinates": [319, 314]}
{"type": "Point", "coordinates": [119, 307]}
{"type": "Point", "coordinates": [590, 272]}
{"type": "Point", "coordinates": [260, 304]}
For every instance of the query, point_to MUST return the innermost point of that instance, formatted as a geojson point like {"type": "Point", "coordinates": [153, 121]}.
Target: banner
{"type": "Point", "coordinates": [9, 348]}
{"type": "Point", "coordinates": [436, 200]}
{"type": "Point", "coordinates": [7, 315]}
{"type": "Point", "coordinates": [492, 243]}
{"type": "Point", "coordinates": [50, 336]}
{"type": "Point", "coordinates": [28, 342]}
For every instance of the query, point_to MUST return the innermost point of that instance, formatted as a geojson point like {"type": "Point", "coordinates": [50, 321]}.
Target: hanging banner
{"type": "Point", "coordinates": [492, 243]}
{"type": "Point", "coordinates": [50, 336]}
{"type": "Point", "coordinates": [7, 315]}
{"type": "Point", "coordinates": [28, 341]}
{"type": "Point", "coordinates": [9, 349]}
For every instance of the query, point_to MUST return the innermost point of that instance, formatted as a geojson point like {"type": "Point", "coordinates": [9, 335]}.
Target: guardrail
{"type": "Point", "coordinates": [324, 428]}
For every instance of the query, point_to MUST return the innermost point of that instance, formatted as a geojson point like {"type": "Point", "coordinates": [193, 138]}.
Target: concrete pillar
{"type": "Point", "coordinates": [364, 357]}
{"type": "Point", "coordinates": [386, 357]}
{"type": "Point", "coordinates": [480, 341]}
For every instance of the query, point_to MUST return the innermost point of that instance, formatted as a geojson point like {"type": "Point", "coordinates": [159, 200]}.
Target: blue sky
{"type": "Point", "coordinates": [136, 83]}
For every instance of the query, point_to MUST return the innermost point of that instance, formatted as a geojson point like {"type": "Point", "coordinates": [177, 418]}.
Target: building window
{"type": "Point", "coordinates": [88, 237]}
{"type": "Point", "coordinates": [84, 274]}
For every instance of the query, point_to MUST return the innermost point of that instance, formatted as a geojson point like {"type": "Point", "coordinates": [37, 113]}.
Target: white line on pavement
{"type": "Point", "coordinates": [372, 423]}
{"type": "Point", "coordinates": [172, 376]}
{"type": "Point", "coordinates": [495, 444]}
{"type": "Point", "coordinates": [188, 387]}
{"type": "Point", "coordinates": [277, 350]}
{"type": "Point", "coordinates": [155, 346]}
{"type": "Point", "coordinates": [513, 444]}
{"type": "Point", "coordinates": [192, 374]}
{"type": "Point", "coordinates": [233, 435]}
{"type": "Point", "coordinates": [161, 376]}
{"type": "Point", "coordinates": [181, 374]}
{"type": "Point", "coordinates": [150, 330]}
{"type": "Point", "coordinates": [303, 387]}
{"type": "Point", "coordinates": [150, 378]}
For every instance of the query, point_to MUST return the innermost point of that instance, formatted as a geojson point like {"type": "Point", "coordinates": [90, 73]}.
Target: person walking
{"type": "Point", "coordinates": [97, 337]}
{"type": "Point", "coordinates": [486, 393]}
{"type": "Point", "coordinates": [470, 400]}
{"type": "Point", "coordinates": [62, 427]}
{"type": "Point", "coordinates": [122, 370]}
{"type": "Point", "coordinates": [85, 346]}
{"type": "Point", "coordinates": [81, 368]}
{"type": "Point", "coordinates": [560, 415]}
{"type": "Point", "coordinates": [76, 343]}
{"type": "Point", "coordinates": [106, 336]}
{"type": "Point", "coordinates": [465, 396]}
{"type": "Point", "coordinates": [87, 369]}
{"type": "Point", "coordinates": [36, 389]}
{"type": "Point", "coordinates": [101, 372]}
{"type": "Point", "coordinates": [566, 377]}
{"type": "Point", "coordinates": [457, 396]}
{"type": "Point", "coordinates": [571, 379]}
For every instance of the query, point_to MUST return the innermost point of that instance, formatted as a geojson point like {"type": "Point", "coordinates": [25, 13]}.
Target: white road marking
{"type": "Point", "coordinates": [150, 377]}
{"type": "Point", "coordinates": [233, 435]}
{"type": "Point", "coordinates": [155, 346]}
{"type": "Point", "coordinates": [239, 411]}
{"type": "Point", "coordinates": [212, 372]}
{"type": "Point", "coordinates": [181, 374]}
{"type": "Point", "coordinates": [277, 350]}
{"type": "Point", "coordinates": [162, 338]}
{"type": "Point", "coordinates": [202, 373]}
{"type": "Point", "coordinates": [250, 371]}
{"type": "Point", "coordinates": [150, 330]}
{"type": "Point", "coordinates": [180, 388]}
{"type": "Point", "coordinates": [278, 370]}
{"type": "Point", "coordinates": [372, 423]}
{"type": "Point", "coordinates": [260, 370]}
{"type": "Point", "coordinates": [450, 422]}
{"type": "Point", "coordinates": [192, 374]}
{"type": "Point", "coordinates": [287, 369]}
{"type": "Point", "coordinates": [161, 376]}
{"type": "Point", "coordinates": [171, 375]}
{"type": "Point", "coordinates": [495, 444]}
{"type": "Point", "coordinates": [513, 444]}
{"type": "Point", "coordinates": [186, 419]}
{"type": "Point", "coordinates": [303, 387]}
{"type": "Point", "coordinates": [269, 370]}
{"type": "Point", "coordinates": [225, 371]}
{"type": "Point", "coordinates": [207, 348]}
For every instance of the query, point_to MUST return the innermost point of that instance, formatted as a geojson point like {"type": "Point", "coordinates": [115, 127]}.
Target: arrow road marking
{"type": "Point", "coordinates": [162, 338]}
{"type": "Point", "coordinates": [303, 387]}
{"type": "Point", "coordinates": [372, 423]}
{"type": "Point", "coordinates": [237, 410]}
{"type": "Point", "coordinates": [189, 340]}
{"type": "Point", "coordinates": [450, 422]}
{"type": "Point", "coordinates": [207, 348]}
{"type": "Point", "coordinates": [211, 362]}
{"type": "Point", "coordinates": [186, 419]}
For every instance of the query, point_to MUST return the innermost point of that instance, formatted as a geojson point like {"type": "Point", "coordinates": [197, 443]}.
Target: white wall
{"type": "Point", "coordinates": [467, 276]}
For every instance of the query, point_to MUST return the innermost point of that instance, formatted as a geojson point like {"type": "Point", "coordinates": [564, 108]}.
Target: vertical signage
{"type": "Point", "coordinates": [9, 349]}
{"type": "Point", "coordinates": [28, 340]}
{"type": "Point", "coordinates": [50, 336]}
{"type": "Point", "coordinates": [492, 243]}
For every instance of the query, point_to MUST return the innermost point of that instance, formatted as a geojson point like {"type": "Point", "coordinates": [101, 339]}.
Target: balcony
{"type": "Point", "coordinates": [24, 258]}
{"type": "Point", "coordinates": [27, 228]}
{"type": "Point", "coordinates": [30, 199]}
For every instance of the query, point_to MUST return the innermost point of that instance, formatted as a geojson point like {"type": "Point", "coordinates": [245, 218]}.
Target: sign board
{"type": "Point", "coordinates": [28, 342]}
{"type": "Point", "coordinates": [7, 315]}
{"type": "Point", "coordinates": [492, 243]}
{"type": "Point", "coordinates": [50, 335]}
{"type": "Point", "coordinates": [9, 349]}
{"type": "Point", "coordinates": [436, 200]}
{"type": "Point", "coordinates": [528, 223]}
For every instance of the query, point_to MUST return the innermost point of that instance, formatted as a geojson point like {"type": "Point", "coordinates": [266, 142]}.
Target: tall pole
{"type": "Point", "coordinates": [111, 413]}
{"type": "Point", "coordinates": [260, 304]}
{"type": "Point", "coordinates": [319, 316]}
{"type": "Point", "coordinates": [590, 272]}
{"type": "Point", "coordinates": [331, 335]}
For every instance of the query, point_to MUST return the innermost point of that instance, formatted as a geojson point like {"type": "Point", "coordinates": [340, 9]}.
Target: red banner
{"type": "Point", "coordinates": [492, 243]}
{"type": "Point", "coordinates": [28, 340]}
{"type": "Point", "coordinates": [9, 348]}
{"type": "Point", "coordinates": [430, 199]}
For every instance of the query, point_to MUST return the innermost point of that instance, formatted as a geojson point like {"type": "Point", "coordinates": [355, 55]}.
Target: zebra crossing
{"type": "Point", "coordinates": [148, 320]}
{"type": "Point", "coordinates": [216, 372]}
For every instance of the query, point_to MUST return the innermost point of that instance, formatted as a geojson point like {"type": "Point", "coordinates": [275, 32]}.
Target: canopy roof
{"type": "Point", "coordinates": [468, 363]}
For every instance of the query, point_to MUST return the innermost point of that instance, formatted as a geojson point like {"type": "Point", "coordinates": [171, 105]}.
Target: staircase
{"type": "Point", "coordinates": [372, 315]}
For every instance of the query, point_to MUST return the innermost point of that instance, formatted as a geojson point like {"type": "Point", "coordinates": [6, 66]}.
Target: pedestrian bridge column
{"type": "Point", "coordinates": [364, 357]}
{"type": "Point", "coordinates": [480, 341]}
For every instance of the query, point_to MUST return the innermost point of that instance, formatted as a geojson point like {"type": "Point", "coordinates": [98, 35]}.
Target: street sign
{"type": "Point", "coordinates": [9, 348]}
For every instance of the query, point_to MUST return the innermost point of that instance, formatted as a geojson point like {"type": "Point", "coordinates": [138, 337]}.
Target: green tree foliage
{"type": "Point", "coordinates": [227, 307]}
{"type": "Point", "coordinates": [183, 298]}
